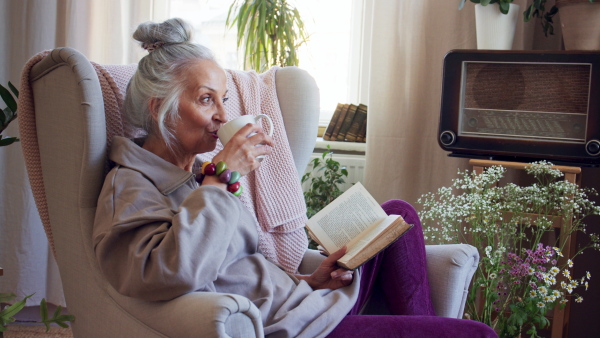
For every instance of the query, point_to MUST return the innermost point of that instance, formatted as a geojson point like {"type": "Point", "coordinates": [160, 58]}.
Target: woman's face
{"type": "Point", "coordinates": [201, 108]}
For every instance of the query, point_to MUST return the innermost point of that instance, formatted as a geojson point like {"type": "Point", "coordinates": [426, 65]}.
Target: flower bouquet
{"type": "Point", "coordinates": [523, 272]}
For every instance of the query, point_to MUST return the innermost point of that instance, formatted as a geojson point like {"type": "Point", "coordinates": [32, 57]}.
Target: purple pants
{"type": "Point", "coordinates": [401, 272]}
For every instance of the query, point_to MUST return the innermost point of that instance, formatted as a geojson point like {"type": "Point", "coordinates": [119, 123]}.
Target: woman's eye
{"type": "Point", "coordinates": [205, 99]}
{"type": "Point", "coordinates": [225, 99]}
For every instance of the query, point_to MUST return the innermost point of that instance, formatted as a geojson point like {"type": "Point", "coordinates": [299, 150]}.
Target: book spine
{"type": "Point", "coordinates": [339, 122]}
{"type": "Point", "coordinates": [362, 134]}
{"type": "Point", "coordinates": [347, 123]}
{"type": "Point", "coordinates": [359, 117]}
{"type": "Point", "coordinates": [336, 114]}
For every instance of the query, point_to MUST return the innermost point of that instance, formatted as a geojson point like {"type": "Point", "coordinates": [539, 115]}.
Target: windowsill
{"type": "Point", "coordinates": [357, 148]}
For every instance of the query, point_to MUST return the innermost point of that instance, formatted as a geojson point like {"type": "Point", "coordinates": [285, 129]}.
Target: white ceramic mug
{"type": "Point", "coordinates": [229, 129]}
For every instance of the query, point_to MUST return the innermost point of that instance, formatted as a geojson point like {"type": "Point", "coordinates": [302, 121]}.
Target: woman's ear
{"type": "Point", "coordinates": [153, 106]}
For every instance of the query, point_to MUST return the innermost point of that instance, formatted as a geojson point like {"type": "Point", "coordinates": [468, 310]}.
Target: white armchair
{"type": "Point", "coordinates": [64, 137]}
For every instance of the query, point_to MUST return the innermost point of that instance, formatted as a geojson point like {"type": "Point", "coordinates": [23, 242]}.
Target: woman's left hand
{"type": "Point", "coordinates": [328, 275]}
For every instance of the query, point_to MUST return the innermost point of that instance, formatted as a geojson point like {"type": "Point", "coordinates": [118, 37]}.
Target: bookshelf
{"type": "Point", "coordinates": [357, 148]}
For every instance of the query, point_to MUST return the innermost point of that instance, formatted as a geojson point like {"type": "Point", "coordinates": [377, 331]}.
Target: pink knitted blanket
{"type": "Point", "coordinates": [272, 193]}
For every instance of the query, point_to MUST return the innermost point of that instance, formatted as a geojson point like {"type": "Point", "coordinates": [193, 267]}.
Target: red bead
{"type": "Point", "coordinates": [210, 169]}
{"type": "Point", "coordinates": [233, 187]}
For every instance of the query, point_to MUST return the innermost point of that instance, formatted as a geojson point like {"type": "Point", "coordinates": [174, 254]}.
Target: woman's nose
{"type": "Point", "coordinates": [221, 114]}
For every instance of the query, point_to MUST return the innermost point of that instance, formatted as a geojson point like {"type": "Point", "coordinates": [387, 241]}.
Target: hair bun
{"type": "Point", "coordinates": [153, 35]}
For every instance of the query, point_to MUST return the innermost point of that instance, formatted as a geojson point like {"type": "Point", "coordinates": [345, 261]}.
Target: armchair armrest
{"type": "Point", "coordinates": [450, 268]}
{"type": "Point", "coordinates": [206, 314]}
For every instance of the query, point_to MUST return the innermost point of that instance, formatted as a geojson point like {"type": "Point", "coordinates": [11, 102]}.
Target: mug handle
{"type": "Point", "coordinates": [260, 116]}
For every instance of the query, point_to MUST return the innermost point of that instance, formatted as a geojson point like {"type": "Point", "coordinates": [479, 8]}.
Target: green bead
{"type": "Point", "coordinates": [221, 166]}
{"type": "Point", "coordinates": [239, 191]}
{"type": "Point", "coordinates": [235, 176]}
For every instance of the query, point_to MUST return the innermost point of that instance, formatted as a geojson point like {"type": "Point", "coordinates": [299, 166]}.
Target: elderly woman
{"type": "Point", "coordinates": [167, 225]}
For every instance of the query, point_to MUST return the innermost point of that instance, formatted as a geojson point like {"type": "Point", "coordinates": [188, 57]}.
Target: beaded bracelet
{"type": "Point", "coordinates": [225, 175]}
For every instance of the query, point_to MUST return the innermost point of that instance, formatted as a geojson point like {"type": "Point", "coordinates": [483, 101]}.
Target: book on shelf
{"type": "Point", "coordinates": [362, 133]}
{"type": "Point", "coordinates": [339, 122]}
{"type": "Point", "coordinates": [357, 221]}
{"type": "Point", "coordinates": [359, 117]}
{"type": "Point", "coordinates": [336, 114]}
{"type": "Point", "coordinates": [347, 123]}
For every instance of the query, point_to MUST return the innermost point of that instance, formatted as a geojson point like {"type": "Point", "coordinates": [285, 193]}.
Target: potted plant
{"type": "Point", "coordinates": [495, 29]}
{"type": "Point", "coordinates": [522, 273]}
{"type": "Point", "coordinates": [268, 32]}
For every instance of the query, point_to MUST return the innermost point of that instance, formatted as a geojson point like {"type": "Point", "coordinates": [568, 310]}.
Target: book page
{"type": "Point", "coordinates": [360, 242]}
{"type": "Point", "coordinates": [345, 218]}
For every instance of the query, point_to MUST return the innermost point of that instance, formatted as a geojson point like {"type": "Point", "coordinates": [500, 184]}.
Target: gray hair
{"type": "Point", "coordinates": [159, 75]}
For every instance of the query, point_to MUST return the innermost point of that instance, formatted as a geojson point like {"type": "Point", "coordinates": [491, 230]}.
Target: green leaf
{"type": "Point", "coordinates": [13, 309]}
{"type": "Point", "coordinates": [13, 89]}
{"type": "Point", "coordinates": [528, 13]}
{"type": "Point", "coordinates": [43, 309]}
{"type": "Point", "coordinates": [485, 2]}
{"type": "Point", "coordinates": [8, 141]}
{"type": "Point", "coordinates": [9, 100]}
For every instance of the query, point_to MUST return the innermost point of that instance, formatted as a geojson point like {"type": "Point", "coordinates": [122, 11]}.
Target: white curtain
{"type": "Point", "coordinates": [101, 30]}
{"type": "Point", "coordinates": [409, 40]}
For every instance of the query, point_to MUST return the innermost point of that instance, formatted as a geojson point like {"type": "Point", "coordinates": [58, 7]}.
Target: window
{"type": "Point", "coordinates": [332, 55]}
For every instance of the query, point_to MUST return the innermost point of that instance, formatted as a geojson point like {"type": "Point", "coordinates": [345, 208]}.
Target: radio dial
{"type": "Point", "coordinates": [447, 138]}
{"type": "Point", "coordinates": [593, 147]}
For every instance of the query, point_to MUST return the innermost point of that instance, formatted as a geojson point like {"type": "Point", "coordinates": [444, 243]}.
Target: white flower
{"type": "Point", "coordinates": [532, 293]}
{"type": "Point", "coordinates": [569, 288]}
{"type": "Point", "coordinates": [570, 263]}
{"type": "Point", "coordinates": [587, 274]}
{"type": "Point", "coordinates": [567, 274]}
{"type": "Point", "coordinates": [586, 286]}
{"type": "Point", "coordinates": [542, 290]}
{"type": "Point", "coordinates": [579, 299]}
{"type": "Point", "coordinates": [556, 293]}
{"type": "Point", "coordinates": [493, 275]}
{"type": "Point", "coordinates": [554, 271]}
{"type": "Point", "coordinates": [541, 305]}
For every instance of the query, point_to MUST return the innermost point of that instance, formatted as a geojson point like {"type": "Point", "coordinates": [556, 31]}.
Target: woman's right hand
{"type": "Point", "coordinates": [241, 151]}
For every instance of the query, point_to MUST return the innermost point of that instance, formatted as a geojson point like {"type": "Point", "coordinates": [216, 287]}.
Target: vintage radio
{"type": "Point", "coordinates": [522, 105]}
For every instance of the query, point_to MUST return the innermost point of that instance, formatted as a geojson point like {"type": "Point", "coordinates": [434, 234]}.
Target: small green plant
{"type": "Point", "coordinates": [325, 177]}
{"type": "Point", "coordinates": [538, 9]}
{"type": "Point", "coordinates": [8, 114]}
{"type": "Point", "coordinates": [8, 313]}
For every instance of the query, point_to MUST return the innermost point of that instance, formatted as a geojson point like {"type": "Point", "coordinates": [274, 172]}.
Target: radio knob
{"type": "Point", "coordinates": [447, 137]}
{"type": "Point", "coordinates": [593, 147]}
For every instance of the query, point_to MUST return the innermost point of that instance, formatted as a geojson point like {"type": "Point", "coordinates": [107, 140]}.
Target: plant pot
{"type": "Point", "coordinates": [579, 20]}
{"type": "Point", "coordinates": [494, 29]}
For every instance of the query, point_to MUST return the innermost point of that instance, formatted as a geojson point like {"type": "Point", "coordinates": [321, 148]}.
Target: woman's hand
{"type": "Point", "coordinates": [241, 151]}
{"type": "Point", "coordinates": [328, 275]}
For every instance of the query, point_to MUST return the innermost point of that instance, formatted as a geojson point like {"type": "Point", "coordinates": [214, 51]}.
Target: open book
{"type": "Point", "coordinates": [356, 220]}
